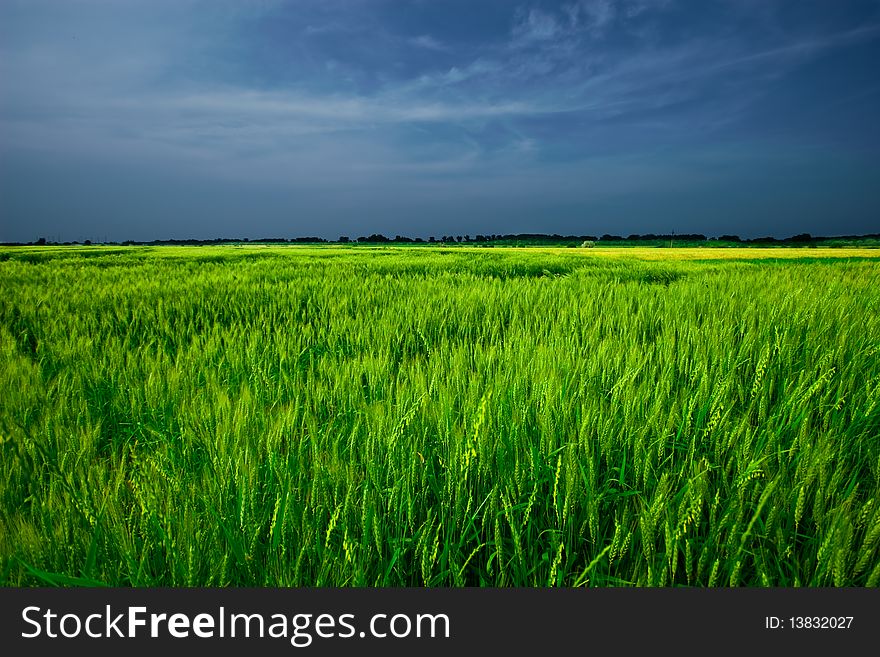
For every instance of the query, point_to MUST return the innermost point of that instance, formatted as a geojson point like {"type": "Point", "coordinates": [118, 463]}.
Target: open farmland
{"type": "Point", "coordinates": [445, 417]}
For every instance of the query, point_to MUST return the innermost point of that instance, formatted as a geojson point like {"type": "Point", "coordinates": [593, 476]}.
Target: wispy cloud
{"type": "Point", "coordinates": [535, 25]}
{"type": "Point", "coordinates": [596, 15]}
{"type": "Point", "coordinates": [633, 8]}
{"type": "Point", "coordinates": [228, 121]}
{"type": "Point", "coordinates": [428, 42]}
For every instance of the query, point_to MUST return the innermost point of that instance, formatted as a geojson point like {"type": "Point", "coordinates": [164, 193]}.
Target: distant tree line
{"type": "Point", "coordinates": [500, 239]}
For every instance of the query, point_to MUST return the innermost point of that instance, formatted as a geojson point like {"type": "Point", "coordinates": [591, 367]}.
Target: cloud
{"type": "Point", "coordinates": [599, 14]}
{"type": "Point", "coordinates": [633, 8]}
{"type": "Point", "coordinates": [428, 42]}
{"type": "Point", "coordinates": [61, 98]}
{"type": "Point", "coordinates": [245, 100]}
{"type": "Point", "coordinates": [597, 17]}
{"type": "Point", "coordinates": [534, 26]}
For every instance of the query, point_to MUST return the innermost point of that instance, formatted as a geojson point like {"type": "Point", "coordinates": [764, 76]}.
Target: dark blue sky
{"type": "Point", "coordinates": [207, 118]}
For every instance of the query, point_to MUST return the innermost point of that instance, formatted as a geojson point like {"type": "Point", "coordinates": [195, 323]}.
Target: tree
{"type": "Point", "coordinates": [374, 239]}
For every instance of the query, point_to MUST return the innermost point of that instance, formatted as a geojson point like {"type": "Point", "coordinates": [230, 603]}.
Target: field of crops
{"type": "Point", "coordinates": [444, 417]}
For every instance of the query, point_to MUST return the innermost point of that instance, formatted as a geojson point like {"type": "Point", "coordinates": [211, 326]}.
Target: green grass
{"type": "Point", "coordinates": [398, 417]}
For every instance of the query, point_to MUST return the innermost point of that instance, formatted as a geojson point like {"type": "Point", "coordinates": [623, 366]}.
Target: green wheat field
{"type": "Point", "coordinates": [331, 416]}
